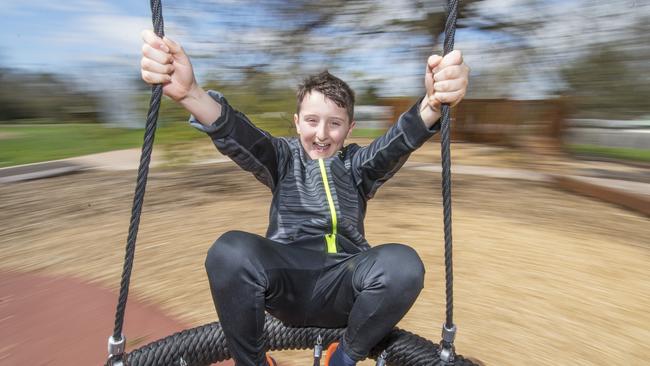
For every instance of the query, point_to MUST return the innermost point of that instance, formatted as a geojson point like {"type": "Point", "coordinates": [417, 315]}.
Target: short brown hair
{"type": "Point", "coordinates": [330, 86]}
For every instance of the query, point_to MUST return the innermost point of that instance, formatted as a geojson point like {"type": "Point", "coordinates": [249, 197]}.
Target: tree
{"type": "Point", "coordinates": [597, 51]}
{"type": "Point", "coordinates": [43, 97]}
{"type": "Point", "coordinates": [290, 39]}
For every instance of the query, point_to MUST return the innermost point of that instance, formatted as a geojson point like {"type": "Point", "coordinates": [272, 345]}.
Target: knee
{"type": "Point", "coordinates": [232, 261]}
{"type": "Point", "coordinates": [228, 251]}
{"type": "Point", "coordinates": [402, 267]}
{"type": "Point", "coordinates": [224, 246]}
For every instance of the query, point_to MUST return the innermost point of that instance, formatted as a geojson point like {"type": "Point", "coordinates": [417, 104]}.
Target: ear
{"type": "Point", "coordinates": [352, 124]}
{"type": "Point", "coordinates": [295, 121]}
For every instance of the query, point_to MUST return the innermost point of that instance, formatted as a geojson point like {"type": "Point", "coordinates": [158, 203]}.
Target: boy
{"type": "Point", "coordinates": [314, 267]}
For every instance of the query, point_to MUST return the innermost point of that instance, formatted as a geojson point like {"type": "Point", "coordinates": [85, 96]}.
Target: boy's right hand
{"type": "Point", "coordinates": [164, 62]}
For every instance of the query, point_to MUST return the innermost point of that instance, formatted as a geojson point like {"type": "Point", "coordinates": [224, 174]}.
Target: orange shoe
{"type": "Point", "coordinates": [270, 360]}
{"type": "Point", "coordinates": [330, 351]}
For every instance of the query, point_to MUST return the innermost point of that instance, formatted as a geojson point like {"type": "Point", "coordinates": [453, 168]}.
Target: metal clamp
{"type": "Point", "coordinates": [447, 351]}
{"type": "Point", "coordinates": [448, 334]}
{"type": "Point", "coordinates": [447, 354]}
{"type": "Point", "coordinates": [116, 347]}
{"type": "Point", "coordinates": [115, 362]}
{"type": "Point", "coordinates": [381, 360]}
{"type": "Point", "coordinates": [318, 348]}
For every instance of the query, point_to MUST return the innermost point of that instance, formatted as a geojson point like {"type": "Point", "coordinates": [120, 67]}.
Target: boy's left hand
{"type": "Point", "coordinates": [446, 80]}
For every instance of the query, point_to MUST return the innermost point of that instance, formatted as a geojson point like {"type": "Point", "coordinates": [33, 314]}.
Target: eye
{"type": "Point", "coordinates": [336, 123]}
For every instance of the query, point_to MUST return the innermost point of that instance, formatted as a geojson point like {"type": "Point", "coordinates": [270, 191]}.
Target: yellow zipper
{"type": "Point", "coordinates": [330, 239]}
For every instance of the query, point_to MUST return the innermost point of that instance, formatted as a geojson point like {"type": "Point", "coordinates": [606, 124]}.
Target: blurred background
{"type": "Point", "coordinates": [577, 68]}
{"type": "Point", "coordinates": [551, 163]}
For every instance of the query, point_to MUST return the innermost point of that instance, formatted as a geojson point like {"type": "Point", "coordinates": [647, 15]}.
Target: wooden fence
{"type": "Point", "coordinates": [500, 121]}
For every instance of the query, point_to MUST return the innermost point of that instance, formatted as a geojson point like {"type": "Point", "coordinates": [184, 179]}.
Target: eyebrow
{"type": "Point", "coordinates": [331, 119]}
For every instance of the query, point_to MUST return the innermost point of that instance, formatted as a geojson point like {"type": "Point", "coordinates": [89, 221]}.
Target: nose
{"type": "Point", "coordinates": [321, 131]}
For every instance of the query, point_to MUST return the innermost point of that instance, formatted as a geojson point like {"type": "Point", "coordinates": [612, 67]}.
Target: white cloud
{"type": "Point", "coordinates": [94, 37]}
{"type": "Point", "coordinates": [114, 31]}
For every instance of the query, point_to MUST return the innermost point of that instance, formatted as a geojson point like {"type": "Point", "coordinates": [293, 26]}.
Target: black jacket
{"type": "Point", "coordinates": [302, 206]}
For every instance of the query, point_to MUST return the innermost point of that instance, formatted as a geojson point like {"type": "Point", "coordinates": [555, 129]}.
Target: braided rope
{"type": "Point", "coordinates": [141, 183]}
{"type": "Point", "coordinates": [450, 31]}
{"type": "Point", "coordinates": [206, 344]}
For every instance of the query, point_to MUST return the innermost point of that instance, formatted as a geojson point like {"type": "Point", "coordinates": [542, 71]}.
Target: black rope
{"type": "Point", "coordinates": [449, 329]}
{"type": "Point", "coordinates": [138, 199]}
{"type": "Point", "coordinates": [450, 31]}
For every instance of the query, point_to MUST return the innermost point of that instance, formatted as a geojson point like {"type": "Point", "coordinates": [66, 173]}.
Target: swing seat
{"type": "Point", "coordinates": [206, 344]}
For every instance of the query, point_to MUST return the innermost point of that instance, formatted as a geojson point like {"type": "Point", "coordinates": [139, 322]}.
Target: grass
{"type": "Point", "coordinates": [612, 152]}
{"type": "Point", "coordinates": [22, 144]}
{"type": "Point", "coordinates": [368, 132]}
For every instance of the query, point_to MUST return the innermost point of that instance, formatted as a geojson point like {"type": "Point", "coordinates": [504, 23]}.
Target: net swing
{"type": "Point", "coordinates": [206, 344]}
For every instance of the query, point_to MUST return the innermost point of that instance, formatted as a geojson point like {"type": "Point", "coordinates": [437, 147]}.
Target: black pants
{"type": "Point", "coordinates": [302, 285]}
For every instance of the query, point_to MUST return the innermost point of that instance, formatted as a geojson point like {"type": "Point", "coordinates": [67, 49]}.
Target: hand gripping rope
{"type": "Point", "coordinates": [206, 344]}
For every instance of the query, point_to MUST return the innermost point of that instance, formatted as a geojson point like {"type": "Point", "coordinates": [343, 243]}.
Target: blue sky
{"type": "Point", "coordinates": [87, 38]}
{"type": "Point", "coordinates": [59, 36]}
{"type": "Point", "coordinates": [99, 40]}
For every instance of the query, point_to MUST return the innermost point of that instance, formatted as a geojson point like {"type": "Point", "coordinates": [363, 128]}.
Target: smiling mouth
{"type": "Point", "coordinates": [320, 147]}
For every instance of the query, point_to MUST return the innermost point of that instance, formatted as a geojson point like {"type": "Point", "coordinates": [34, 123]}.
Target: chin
{"type": "Point", "coordinates": [321, 155]}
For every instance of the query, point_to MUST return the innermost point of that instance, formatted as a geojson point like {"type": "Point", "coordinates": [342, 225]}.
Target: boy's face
{"type": "Point", "coordinates": [322, 125]}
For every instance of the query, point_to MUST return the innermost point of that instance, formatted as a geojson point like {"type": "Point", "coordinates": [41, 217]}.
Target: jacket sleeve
{"type": "Point", "coordinates": [374, 164]}
{"type": "Point", "coordinates": [253, 149]}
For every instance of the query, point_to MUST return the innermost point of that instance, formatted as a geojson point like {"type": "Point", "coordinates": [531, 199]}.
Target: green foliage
{"type": "Point", "coordinates": [612, 152]}
{"type": "Point", "coordinates": [29, 97]}
{"type": "Point", "coordinates": [607, 85]}
{"type": "Point", "coordinates": [368, 132]}
{"type": "Point", "coordinates": [269, 106]}
{"type": "Point", "coordinates": [40, 136]}
{"type": "Point", "coordinates": [369, 96]}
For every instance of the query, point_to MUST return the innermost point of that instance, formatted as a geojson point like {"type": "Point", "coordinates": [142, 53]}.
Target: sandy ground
{"type": "Point", "coordinates": [541, 276]}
